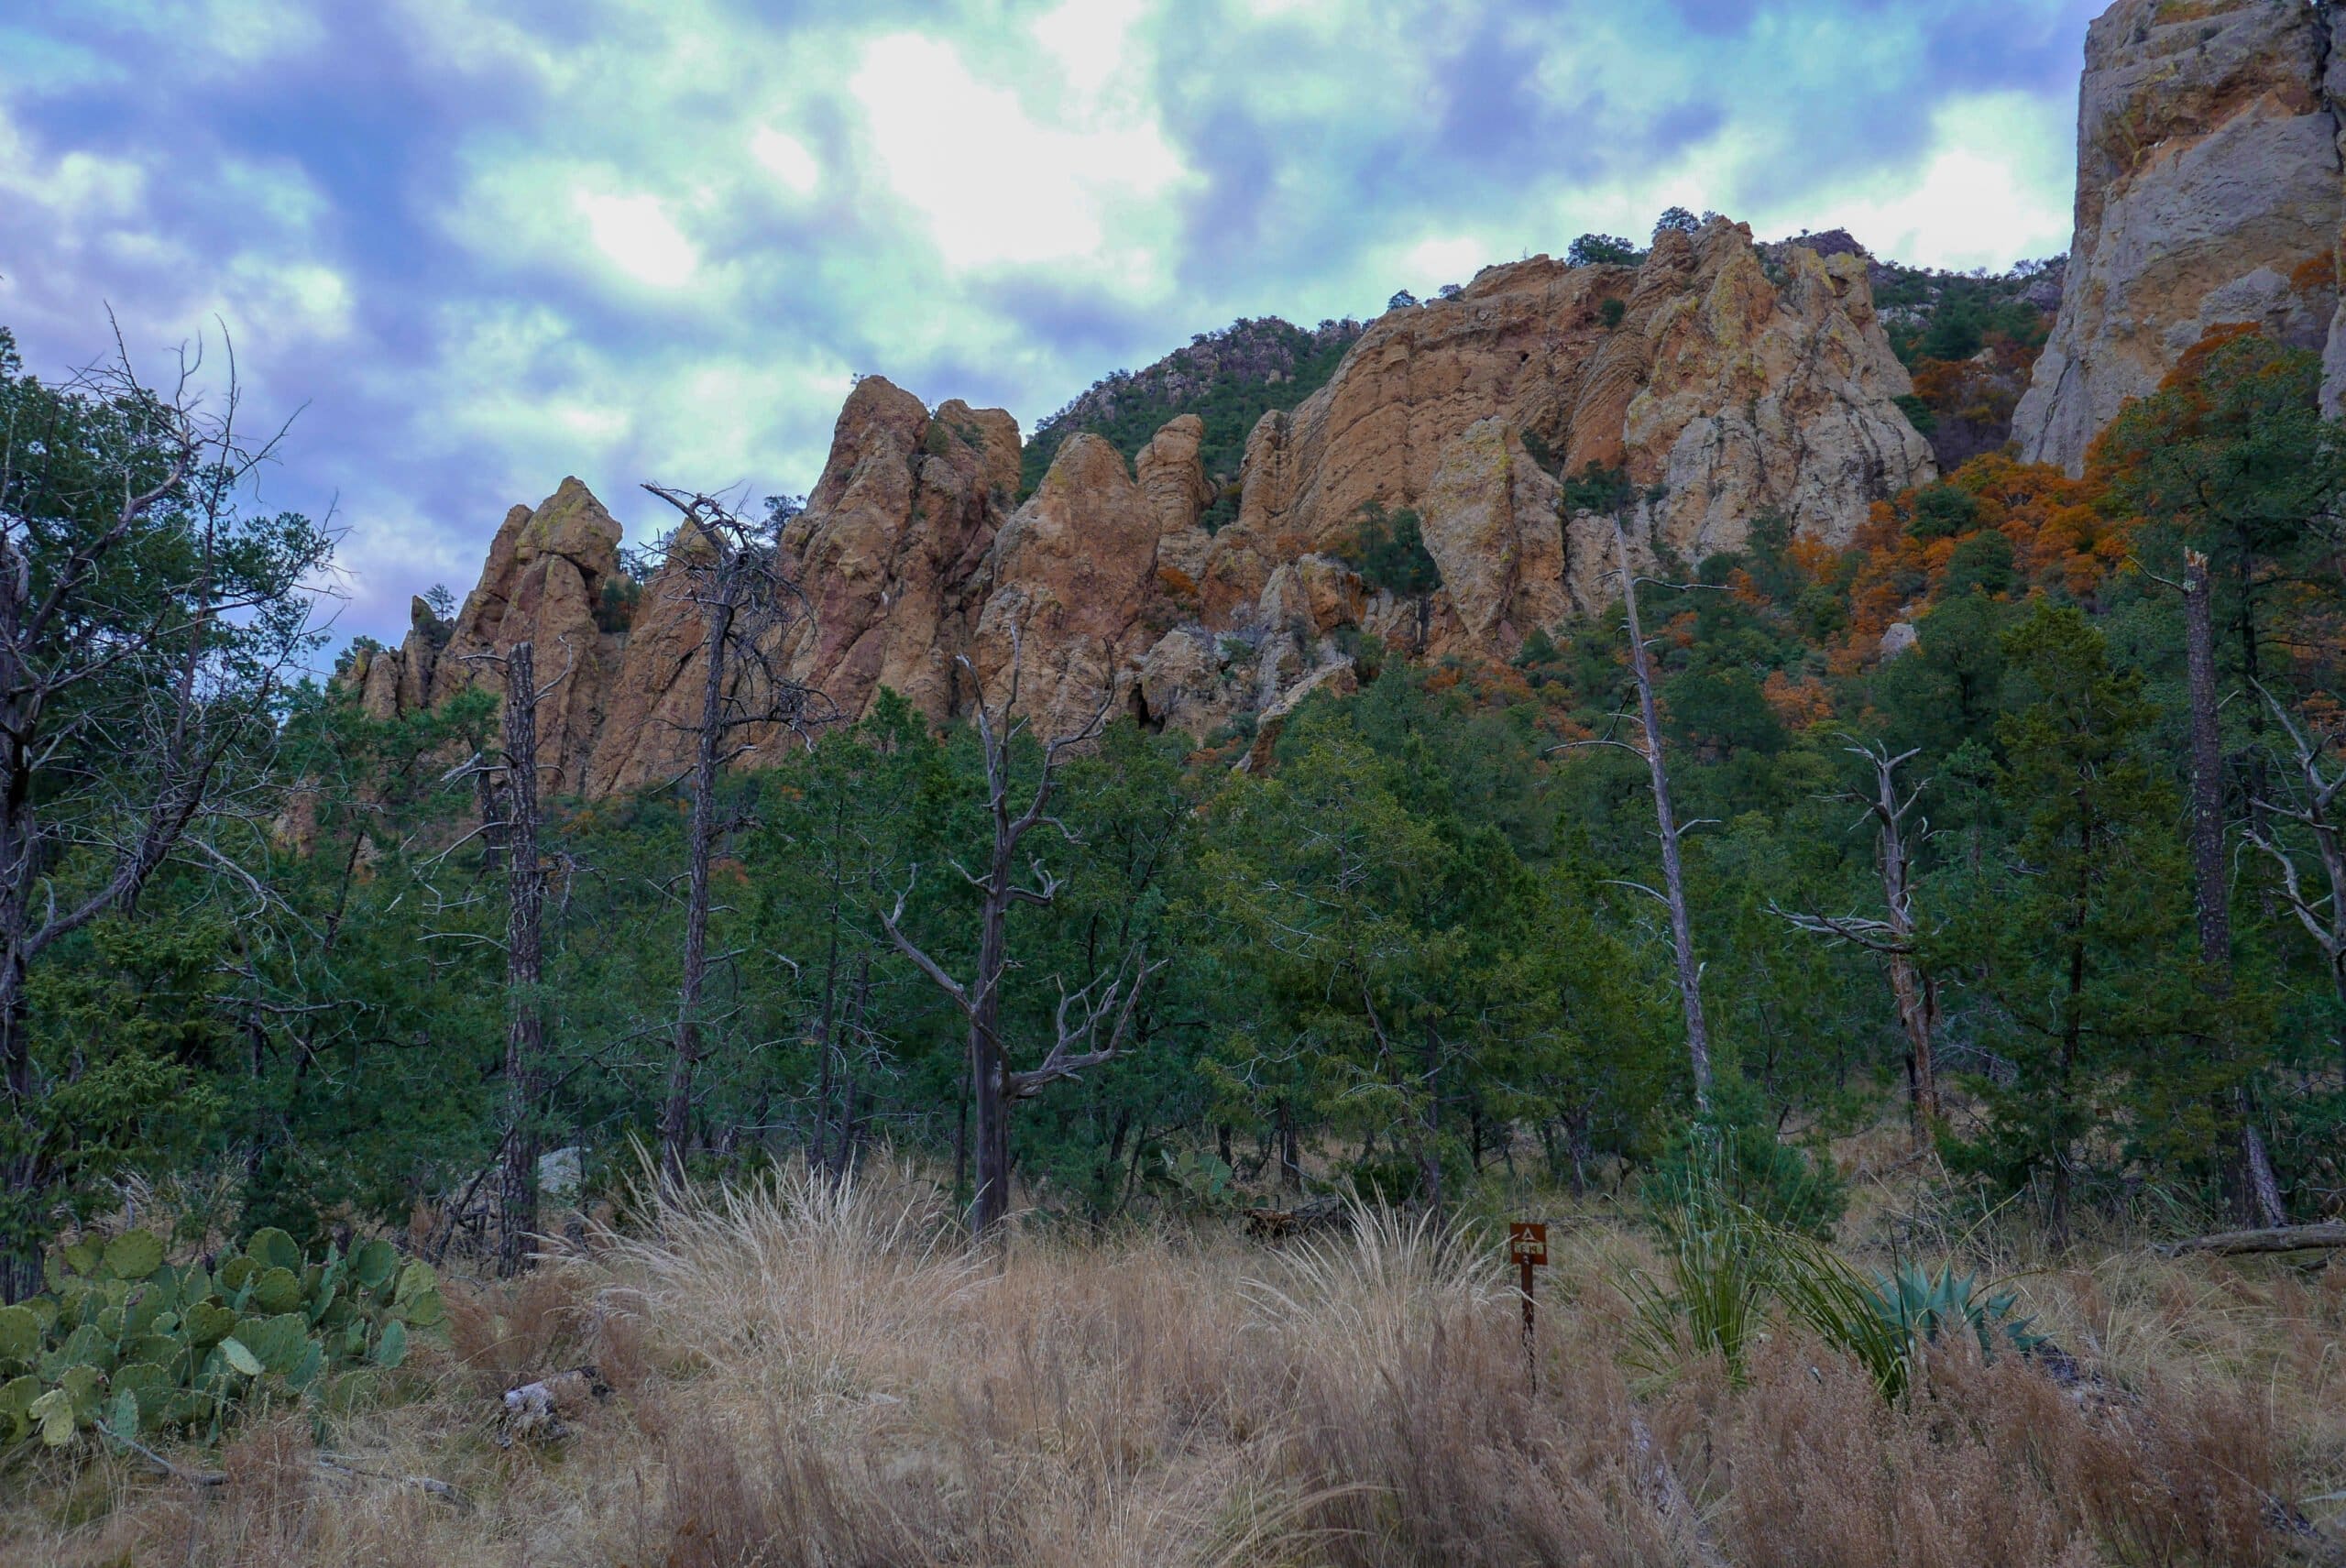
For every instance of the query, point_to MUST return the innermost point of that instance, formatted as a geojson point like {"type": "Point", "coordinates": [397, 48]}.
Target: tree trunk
{"type": "Point", "coordinates": [1682, 935]}
{"type": "Point", "coordinates": [1907, 984]}
{"type": "Point", "coordinates": [676, 1116]}
{"type": "Point", "coordinates": [988, 1066]}
{"type": "Point", "coordinates": [20, 1257]}
{"type": "Point", "coordinates": [2256, 1193]}
{"type": "Point", "coordinates": [525, 1030]}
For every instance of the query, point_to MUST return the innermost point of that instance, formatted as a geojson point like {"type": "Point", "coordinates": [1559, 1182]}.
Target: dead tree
{"type": "Point", "coordinates": [1108, 1002]}
{"type": "Point", "coordinates": [511, 787]}
{"type": "Point", "coordinates": [2257, 1191]}
{"type": "Point", "coordinates": [1667, 829]}
{"type": "Point", "coordinates": [2314, 806]}
{"type": "Point", "coordinates": [1895, 936]}
{"type": "Point", "coordinates": [145, 625]}
{"type": "Point", "coordinates": [730, 571]}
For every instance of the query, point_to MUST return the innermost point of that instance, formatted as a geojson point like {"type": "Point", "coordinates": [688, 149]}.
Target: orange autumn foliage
{"type": "Point", "coordinates": [2061, 533]}
{"type": "Point", "coordinates": [1798, 703]}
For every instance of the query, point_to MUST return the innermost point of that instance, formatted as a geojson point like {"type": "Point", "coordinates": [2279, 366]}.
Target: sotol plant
{"type": "Point", "coordinates": [125, 1342]}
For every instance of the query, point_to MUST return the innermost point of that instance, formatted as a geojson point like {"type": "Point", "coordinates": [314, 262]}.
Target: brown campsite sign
{"type": "Point", "coordinates": [1527, 1248]}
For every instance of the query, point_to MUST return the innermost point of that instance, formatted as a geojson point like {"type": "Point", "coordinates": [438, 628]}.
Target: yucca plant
{"type": "Point", "coordinates": [1721, 1259]}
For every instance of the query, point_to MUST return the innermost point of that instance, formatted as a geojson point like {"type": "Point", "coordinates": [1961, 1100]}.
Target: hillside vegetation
{"type": "Point", "coordinates": [2006, 926]}
{"type": "Point", "coordinates": [1229, 378]}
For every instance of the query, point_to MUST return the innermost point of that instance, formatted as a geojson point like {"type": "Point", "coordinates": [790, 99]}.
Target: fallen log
{"type": "Point", "coordinates": [326, 1462]}
{"type": "Point", "coordinates": [2273, 1238]}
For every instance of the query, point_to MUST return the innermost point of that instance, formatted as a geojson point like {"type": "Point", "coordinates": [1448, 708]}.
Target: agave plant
{"type": "Point", "coordinates": [1922, 1305]}
{"type": "Point", "coordinates": [123, 1341]}
{"type": "Point", "coordinates": [1887, 1322]}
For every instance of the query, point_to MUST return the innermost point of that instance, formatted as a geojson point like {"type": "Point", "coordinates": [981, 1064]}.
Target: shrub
{"type": "Point", "coordinates": [1390, 552]}
{"type": "Point", "coordinates": [1735, 1153]}
{"type": "Point", "coordinates": [1943, 511]}
{"type": "Point", "coordinates": [1603, 250]}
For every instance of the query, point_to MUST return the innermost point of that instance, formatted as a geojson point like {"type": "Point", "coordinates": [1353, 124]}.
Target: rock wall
{"type": "Point", "coordinates": [2208, 193]}
{"type": "Point", "coordinates": [1729, 386]}
{"type": "Point", "coordinates": [1723, 383]}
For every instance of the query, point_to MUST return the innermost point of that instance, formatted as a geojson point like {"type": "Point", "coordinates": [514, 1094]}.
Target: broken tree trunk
{"type": "Point", "coordinates": [2257, 1192]}
{"type": "Point", "coordinates": [524, 964]}
{"type": "Point", "coordinates": [1674, 878]}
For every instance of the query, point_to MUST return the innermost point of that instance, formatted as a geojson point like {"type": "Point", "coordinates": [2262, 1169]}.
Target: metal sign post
{"type": "Point", "coordinates": [1527, 1248]}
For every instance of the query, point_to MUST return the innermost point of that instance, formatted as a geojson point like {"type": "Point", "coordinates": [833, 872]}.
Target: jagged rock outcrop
{"type": "Point", "coordinates": [1490, 523]}
{"type": "Point", "coordinates": [543, 582]}
{"type": "Point", "coordinates": [894, 535]}
{"type": "Point", "coordinates": [1725, 383]}
{"type": "Point", "coordinates": [1073, 573]}
{"type": "Point", "coordinates": [889, 549]}
{"type": "Point", "coordinates": [392, 682]}
{"type": "Point", "coordinates": [2208, 193]}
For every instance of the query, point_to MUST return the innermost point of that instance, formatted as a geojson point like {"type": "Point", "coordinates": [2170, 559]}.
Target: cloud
{"type": "Point", "coordinates": [637, 235]}
{"type": "Point", "coordinates": [494, 242]}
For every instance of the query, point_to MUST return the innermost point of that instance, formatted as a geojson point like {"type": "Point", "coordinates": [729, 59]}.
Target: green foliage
{"type": "Point", "coordinates": [1953, 315]}
{"type": "Point", "coordinates": [123, 1340]}
{"type": "Point", "coordinates": [1735, 1157]}
{"type": "Point", "coordinates": [1388, 551]}
{"type": "Point", "coordinates": [1603, 250]}
{"type": "Point", "coordinates": [1725, 1261]}
{"type": "Point", "coordinates": [1943, 511]}
{"type": "Point", "coordinates": [2085, 952]}
{"type": "Point", "coordinates": [1982, 564]}
{"type": "Point", "coordinates": [1229, 380]}
{"type": "Point", "coordinates": [1886, 1323]}
{"type": "Point", "coordinates": [1611, 313]}
{"type": "Point", "coordinates": [1719, 1261]}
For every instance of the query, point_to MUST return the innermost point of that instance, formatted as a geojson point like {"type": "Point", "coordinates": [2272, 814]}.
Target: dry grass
{"type": "Point", "coordinates": [809, 1377]}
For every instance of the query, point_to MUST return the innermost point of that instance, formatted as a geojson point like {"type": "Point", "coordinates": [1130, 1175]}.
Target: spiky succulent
{"type": "Point", "coordinates": [122, 1338]}
{"type": "Point", "coordinates": [1922, 1306]}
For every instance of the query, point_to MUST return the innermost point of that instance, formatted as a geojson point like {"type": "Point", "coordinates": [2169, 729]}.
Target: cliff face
{"type": "Point", "coordinates": [2208, 193]}
{"type": "Point", "coordinates": [1723, 384]}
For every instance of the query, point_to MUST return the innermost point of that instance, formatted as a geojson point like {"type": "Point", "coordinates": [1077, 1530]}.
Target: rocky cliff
{"type": "Point", "coordinates": [2208, 193]}
{"type": "Point", "coordinates": [1723, 383]}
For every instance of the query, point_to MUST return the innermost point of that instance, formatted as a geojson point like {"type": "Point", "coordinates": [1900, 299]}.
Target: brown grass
{"type": "Point", "coordinates": [805, 1377]}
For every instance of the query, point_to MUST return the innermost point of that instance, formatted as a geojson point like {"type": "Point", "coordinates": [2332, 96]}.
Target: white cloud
{"type": "Point", "coordinates": [1452, 261]}
{"type": "Point", "coordinates": [786, 158]}
{"type": "Point", "coordinates": [639, 237]}
{"type": "Point", "coordinates": [1087, 37]}
{"type": "Point", "coordinates": [1995, 187]}
{"type": "Point", "coordinates": [287, 298]}
{"type": "Point", "coordinates": [996, 187]}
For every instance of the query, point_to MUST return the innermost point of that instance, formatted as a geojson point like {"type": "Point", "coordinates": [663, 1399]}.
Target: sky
{"type": "Point", "coordinates": [474, 246]}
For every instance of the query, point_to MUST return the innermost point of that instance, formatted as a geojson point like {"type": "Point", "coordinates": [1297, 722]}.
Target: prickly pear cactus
{"type": "Point", "coordinates": [125, 1342]}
